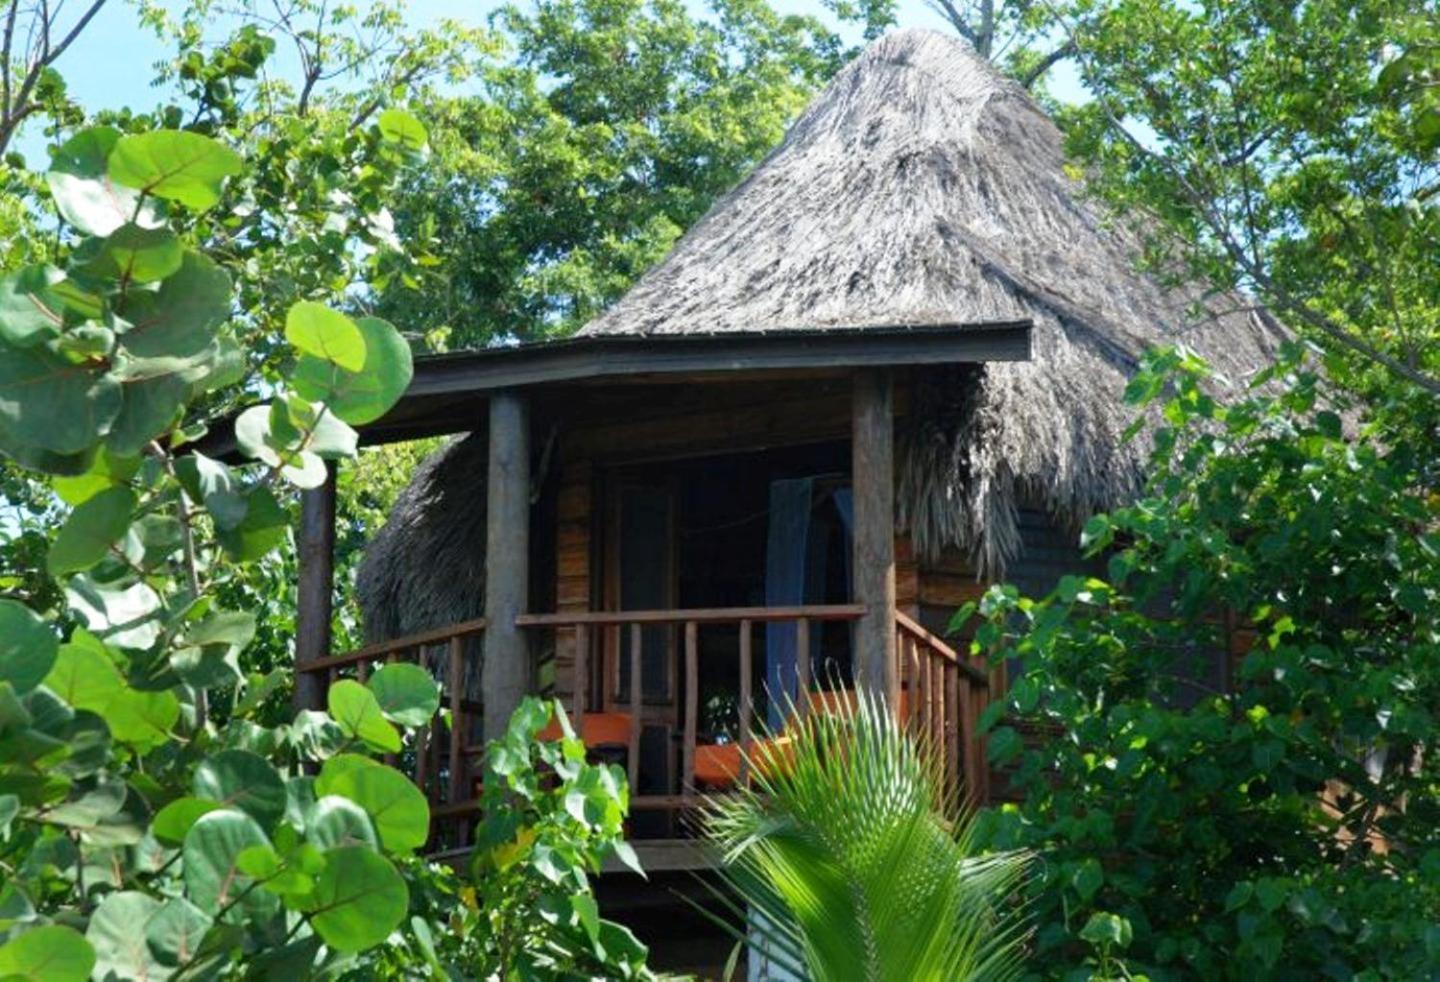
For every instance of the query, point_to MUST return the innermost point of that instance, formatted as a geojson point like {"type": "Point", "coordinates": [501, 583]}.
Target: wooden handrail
{"type": "Point", "coordinates": [916, 630]}
{"type": "Point", "coordinates": [382, 649]}
{"type": "Point", "coordinates": [698, 615]}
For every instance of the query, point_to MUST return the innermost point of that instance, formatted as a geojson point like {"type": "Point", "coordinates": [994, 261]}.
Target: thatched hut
{"type": "Point", "coordinates": [920, 188]}
{"type": "Point", "coordinates": [883, 371]}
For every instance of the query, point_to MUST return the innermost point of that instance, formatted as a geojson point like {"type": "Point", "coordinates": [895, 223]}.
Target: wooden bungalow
{"type": "Point", "coordinates": [883, 372]}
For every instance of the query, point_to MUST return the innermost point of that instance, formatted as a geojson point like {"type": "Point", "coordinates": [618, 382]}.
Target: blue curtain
{"type": "Point", "coordinates": [786, 551]}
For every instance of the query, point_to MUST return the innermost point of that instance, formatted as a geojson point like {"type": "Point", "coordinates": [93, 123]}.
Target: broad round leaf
{"type": "Point", "coordinates": [117, 933]}
{"type": "Point", "coordinates": [335, 821]}
{"type": "Point", "coordinates": [174, 164]}
{"type": "Point", "coordinates": [92, 528]}
{"type": "Point", "coordinates": [358, 714]}
{"type": "Point", "coordinates": [141, 255]}
{"type": "Point", "coordinates": [30, 309]}
{"type": "Point", "coordinates": [51, 404]}
{"type": "Point", "coordinates": [264, 526]}
{"type": "Point", "coordinates": [121, 615]}
{"type": "Point", "coordinates": [27, 646]}
{"type": "Point", "coordinates": [173, 822]}
{"type": "Point", "coordinates": [86, 677]}
{"type": "Point", "coordinates": [407, 694]}
{"type": "Point", "coordinates": [150, 408]}
{"type": "Point", "coordinates": [359, 899]}
{"type": "Point", "coordinates": [398, 126]}
{"type": "Point", "coordinates": [175, 931]}
{"type": "Point", "coordinates": [314, 329]}
{"type": "Point", "coordinates": [80, 183]}
{"type": "Point", "coordinates": [211, 855]}
{"type": "Point", "coordinates": [244, 780]}
{"type": "Point", "coordinates": [107, 471]}
{"type": "Point", "coordinates": [395, 805]}
{"type": "Point", "coordinates": [173, 328]}
{"type": "Point", "coordinates": [363, 396]}
{"type": "Point", "coordinates": [53, 953]}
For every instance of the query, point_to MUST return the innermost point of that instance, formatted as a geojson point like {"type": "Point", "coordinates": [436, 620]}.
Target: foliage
{"type": "Point", "coordinates": [601, 130]}
{"type": "Point", "coordinates": [177, 844]}
{"type": "Point", "coordinates": [858, 869]}
{"type": "Point", "coordinates": [1292, 147]}
{"type": "Point", "coordinates": [1235, 769]}
{"type": "Point", "coordinates": [549, 818]}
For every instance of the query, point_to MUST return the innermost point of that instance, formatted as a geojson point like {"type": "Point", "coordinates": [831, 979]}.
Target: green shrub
{"type": "Point", "coordinates": [1283, 823]}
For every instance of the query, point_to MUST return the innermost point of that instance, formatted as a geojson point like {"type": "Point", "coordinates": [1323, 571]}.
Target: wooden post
{"type": "Point", "coordinates": [315, 591]}
{"type": "Point", "coordinates": [873, 478]}
{"type": "Point", "coordinates": [505, 675]}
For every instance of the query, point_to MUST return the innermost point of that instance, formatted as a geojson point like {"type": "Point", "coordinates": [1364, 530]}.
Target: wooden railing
{"type": "Point", "coordinates": [629, 626]}
{"type": "Point", "coordinates": [943, 697]}
{"type": "Point", "coordinates": [438, 761]}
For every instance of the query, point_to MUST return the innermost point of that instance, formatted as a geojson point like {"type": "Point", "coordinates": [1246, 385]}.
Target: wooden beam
{"type": "Point", "coordinates": [873, 479]}
{"type": "Point", "coordinates": [315, 591]}
{"type": "Point", "coordinates": [505, 675]}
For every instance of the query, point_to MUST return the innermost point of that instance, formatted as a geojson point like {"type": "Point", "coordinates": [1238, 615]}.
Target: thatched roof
{"type": "Point", "coordinates": [922, 187]}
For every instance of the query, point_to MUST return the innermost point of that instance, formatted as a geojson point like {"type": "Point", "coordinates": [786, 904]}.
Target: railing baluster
{"type": "Point", "coordinates": [917, 696]}
{"type": "Point", "coordinates": [581, 675]}
{"type": "Point", "coordinates": [458, 791]}
{"type": "Point", "coordinates": [692, 703]}
{"type": "Point", "coordinates": [952, 704]}
{"type": "Point", "coordinates": [422, 770]}
{"type": "Point", "coordinates": [937, 700]}
{"type": "Point", "coordinates": [802, 665]}
{"type": "Point", "coordinates": [362, 672]}
{"type": "Point", "coordinates": [746, 698]}
{"type": "Point", "coordinates": [635, 696]}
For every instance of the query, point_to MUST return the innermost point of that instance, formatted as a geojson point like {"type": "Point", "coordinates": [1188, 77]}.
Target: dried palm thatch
{"type": "Point", "coordinates": [920, 188]}
{"type": "Point", "coordinates": [426, 567]}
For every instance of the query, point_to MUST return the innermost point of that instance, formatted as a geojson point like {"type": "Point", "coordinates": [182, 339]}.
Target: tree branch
{"type": "Point", "coordinates": [1066, 50]}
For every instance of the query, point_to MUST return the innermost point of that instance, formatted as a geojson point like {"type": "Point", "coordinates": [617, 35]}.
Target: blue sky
{"type": "Point", "coordinates": [111, 64]}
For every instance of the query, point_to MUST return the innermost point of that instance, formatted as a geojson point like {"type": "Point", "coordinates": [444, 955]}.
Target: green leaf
{"type": "Point", "coordinates": [264, 527]}
{"type": "Point", "coordinates": [588, 913]}
{"type": "Point", "coordinates": [80, 183]}
{"type": "Point", "coordinates": [92, 528]}
{"type": "Point", "coordinates": [397, 808]}
{"type": "Point", "coordinates": [150, 409]}
{"type": "Point", "coordinates": [210, 482]}
{"type": "Point", "coordinates": [30, 309]}
{"type": "Point", "coordinates": [359, 899]}
{"type": "Point", "coordinates": [1087, 879]}
{"type": "Point", "coordinates": [172, 329]}
{"type": "Point", "coordinates": [358, 714]}
{"type": "Point", "coordinates": [407, 694]}
{"type": "Point", "coordinates": [314, 329]}
{"type": "Point", "coordinates": [175, 165]}
{"type": "Point", "coordinates": [173, 822]}
{"type": "Point", "coordinates": [107, 471]}
{"type": "Point", "coordinates": [117, 931]}
{"type": "Point", "coordinates": [1107, 929]}
{"type": "Point", "coordinates": [53, 953]}
{"type": "Point", "coordinates": [398, 126]}
{"type": "Point", "coordinates": [28, 647]}
{"type": "Point", "coordinates": [119, 614]}
{"type": "Point", "coordinates": [175, 932]}
{"type": "Point", "coordinates": [211, 855]}
{"type": "Point", "coordinates": [336, 821]}
{"type": "Point", "coordinates": [244, 780]}
{"type": "Point", "coordinates": [51, 404]}
{"type": "Point", "coordinates": [85, 676]}
{"type": "Point", "coordinates": [135, 254]}
{"type": "Point", "coordinates": [364, 396]}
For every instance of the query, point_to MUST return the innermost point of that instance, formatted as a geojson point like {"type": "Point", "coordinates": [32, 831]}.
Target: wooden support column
{"type": "Point", "coordinates": [505, 677]}
{"type": "Point", "coordinates": [315, 591]}
{"type": "Point", "coordinates": [873, 479]}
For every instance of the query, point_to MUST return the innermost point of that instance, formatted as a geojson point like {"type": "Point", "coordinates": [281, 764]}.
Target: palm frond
{"type": "Point", "coordinates": [860, 860]}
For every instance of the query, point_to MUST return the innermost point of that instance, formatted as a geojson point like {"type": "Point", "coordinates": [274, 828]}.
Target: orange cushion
{"type": "Point", "coordinates": [596, 730]}
{"type": "Point", "coordinates": [717, 765]}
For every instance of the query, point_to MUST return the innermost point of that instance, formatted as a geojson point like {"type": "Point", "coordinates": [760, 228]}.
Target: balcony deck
{"type": "Point", "coordinates": [940, 695]}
